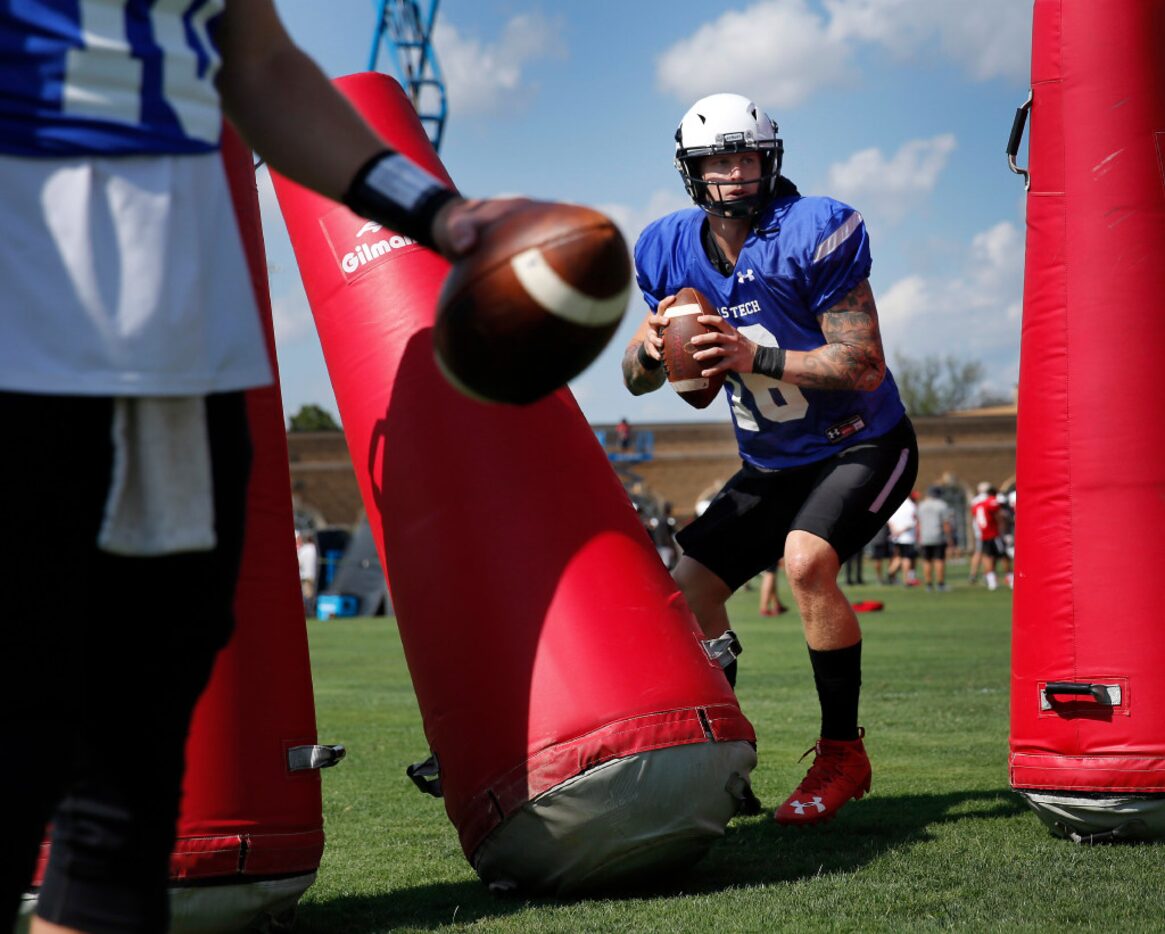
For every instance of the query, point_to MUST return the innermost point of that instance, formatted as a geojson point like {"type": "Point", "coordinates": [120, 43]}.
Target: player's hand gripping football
{"type": "Point", "coordinates": [723, 349]}
{"type": "Point", "coordinates": [458, 225]}
{"type": "Point", "coordinates": [656, 322]}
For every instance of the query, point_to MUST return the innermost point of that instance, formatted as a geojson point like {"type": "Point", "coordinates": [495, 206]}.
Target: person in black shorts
{"type": "Point", "coordinates": [827, 450]}
{"type": "Point", "coordinates": [129, 333]}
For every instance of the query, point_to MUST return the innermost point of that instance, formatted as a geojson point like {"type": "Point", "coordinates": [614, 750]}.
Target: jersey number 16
{"type": "Point", "coordinates": [768, 399]}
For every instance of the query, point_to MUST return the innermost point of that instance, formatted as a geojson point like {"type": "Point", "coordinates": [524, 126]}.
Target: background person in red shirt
{"type": "Point", "coordinates": [985, 512]}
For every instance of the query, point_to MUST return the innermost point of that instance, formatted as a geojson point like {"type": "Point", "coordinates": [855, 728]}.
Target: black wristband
{"type": "Point", "coordinates": [645, 359]}
{"type": "Point", "coordinates": [395, 192]}
{"type": "Point", "coordinates": [769, 361]}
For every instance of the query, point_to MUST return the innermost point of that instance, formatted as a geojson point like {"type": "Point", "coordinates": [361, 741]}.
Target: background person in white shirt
{"type": "Point", "coordinates": [904, 538]}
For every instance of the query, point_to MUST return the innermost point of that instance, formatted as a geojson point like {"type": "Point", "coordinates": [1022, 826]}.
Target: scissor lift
{"type": "Point", "coordinates": [407, 27]}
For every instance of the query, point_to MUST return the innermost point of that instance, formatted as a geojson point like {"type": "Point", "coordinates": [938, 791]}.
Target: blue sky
{"type": "Point", "coordinates": [901, 108]}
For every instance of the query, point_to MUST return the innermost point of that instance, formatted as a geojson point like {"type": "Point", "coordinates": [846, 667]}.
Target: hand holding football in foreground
{"type": "Point", "coordinates": [533, 305]}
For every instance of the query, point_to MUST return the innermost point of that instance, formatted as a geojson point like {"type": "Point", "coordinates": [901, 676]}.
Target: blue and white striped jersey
{"type": "Point", "coordinates": [108, 77]}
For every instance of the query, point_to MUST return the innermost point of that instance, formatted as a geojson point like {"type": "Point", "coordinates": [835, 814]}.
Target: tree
{"type": "Point", "coordinates": [312, 418]}
{"type": "Point", "coordinates": [936, 385]}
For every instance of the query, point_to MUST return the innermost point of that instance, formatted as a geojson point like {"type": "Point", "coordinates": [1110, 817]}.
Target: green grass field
{"type": "Point", "coordinates": [939, 843]}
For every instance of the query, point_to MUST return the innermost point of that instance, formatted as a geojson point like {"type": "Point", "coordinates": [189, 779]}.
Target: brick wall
{"type": "Point", "coordinates": [323, 484]}
{"type": "Point", "coordinates": [962, 449]}
{"type": "Point", "coordinates": [688, 460]}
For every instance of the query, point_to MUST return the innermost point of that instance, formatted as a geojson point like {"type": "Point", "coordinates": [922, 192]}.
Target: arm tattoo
{"type": "Point", "coordinates": [852, 357]}
{"type": "Point", "coordinates": [635, 377]}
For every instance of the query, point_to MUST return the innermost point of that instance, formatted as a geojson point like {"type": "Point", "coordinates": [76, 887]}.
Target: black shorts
{"type": "Point", "coordinates": [994, 548]}
{"type": "Point", "coordinates": [905, 550]}
{"type": "Point", "coordinates": [934, 552]}
{"type": "Point", "coordinates": [844, 500]}
{"type": "Point", "coordinates": [107, 656]}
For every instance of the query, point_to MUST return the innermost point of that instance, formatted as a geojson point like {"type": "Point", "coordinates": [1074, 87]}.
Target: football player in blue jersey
{"type": "Point", "coordinates": [827, 450]}
{"type": "Point", "coordinates": [128, 333]}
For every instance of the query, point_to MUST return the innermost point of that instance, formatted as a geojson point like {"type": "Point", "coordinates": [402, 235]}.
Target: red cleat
{"type": "Point", "coordinates": [840, 771]}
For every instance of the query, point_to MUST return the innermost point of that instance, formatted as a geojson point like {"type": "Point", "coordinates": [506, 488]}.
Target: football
{"type": "Point", "coordinates": [683, 372]}
{"type": "Point", "coordinates": [533, 305]}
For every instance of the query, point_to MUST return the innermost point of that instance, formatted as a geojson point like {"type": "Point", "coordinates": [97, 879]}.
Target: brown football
{"type": "Point", "coordinates": [534, 304]}
{"type": "Point", "coordinates": [683, 371]}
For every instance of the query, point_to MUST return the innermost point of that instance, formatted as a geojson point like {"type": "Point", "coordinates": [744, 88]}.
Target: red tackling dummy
{"type": "Point", "coordinates": [1088, 647]}
{"type": "Point", "coordinates": [583, 734]}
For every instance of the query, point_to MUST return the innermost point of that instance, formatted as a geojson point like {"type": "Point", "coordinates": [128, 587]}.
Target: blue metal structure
{"type": "Point", "coordinates": [402, 24]}
{"type": "Point", "coordinates": [642, 448]}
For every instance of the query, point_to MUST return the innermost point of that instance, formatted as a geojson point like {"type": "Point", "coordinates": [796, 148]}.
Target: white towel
{"type": "Point", "coordinates": [161, 497]}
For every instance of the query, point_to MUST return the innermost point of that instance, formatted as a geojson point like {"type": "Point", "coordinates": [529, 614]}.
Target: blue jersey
{"type": "Point", "coordinates": [802, 257]}
{"type": "Point", "coordinates": [110, 77]}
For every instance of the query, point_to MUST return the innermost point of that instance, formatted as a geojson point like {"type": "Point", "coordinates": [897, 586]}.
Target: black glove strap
{"type": "Point", "coordinates": [645, 359]}
{"type": "Point", "coordinates": [769, 361]}
{"type": "Point", "coordinates": [395, 192]}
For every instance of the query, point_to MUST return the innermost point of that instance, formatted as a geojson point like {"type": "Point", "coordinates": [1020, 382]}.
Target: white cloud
{"type": "Point", "coordinates": [903, 303]}
{"type": "Point", "coordinates": [302, 374]}
{"type": "Point", "coordinates": [289, 308]}
{"type": "Point", "coordinates": [988, 39]}
{"type": "Point", "coordinates": [280, 259]}
{"type": "Point", "coordinates": [779, 50]}
{"type": "Point", "coordinates": [489, 77]}
{"type": "Point", "coordinates": [892, 186]}
{"type": "Point", "coordinates": [783, 51]}
{"type": "Point", "coordinates": [292, 317]}
{"type": "Point", "coordinates": [631, 221]}
{"type": "Point", "coordinates": [973, 316]}
{"type": "Point", "coordinates": [997, 259]}
{"type": "Point", "coordinates": [268, 203]}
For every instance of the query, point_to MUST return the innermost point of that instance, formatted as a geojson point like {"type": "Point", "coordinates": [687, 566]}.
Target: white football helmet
{"type": "Point", "coordinates": [728, 123]}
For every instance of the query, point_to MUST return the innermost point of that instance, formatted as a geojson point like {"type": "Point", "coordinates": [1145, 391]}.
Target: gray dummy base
{"type": "Point", "coordinates": [630, 821]}
{"type": "Point", "coordinates": [1099, 818]}
{"type": "Point", "coordinates": [234, 907]}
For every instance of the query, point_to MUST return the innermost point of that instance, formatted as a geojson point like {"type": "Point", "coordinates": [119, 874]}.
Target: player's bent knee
{"type": "Point", "coordinates": [805, 572]}
{"type": "Point", "coordinates": [810, 562]}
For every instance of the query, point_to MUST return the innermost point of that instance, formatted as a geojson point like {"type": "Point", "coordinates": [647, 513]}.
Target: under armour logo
{"type": "Point", "coordinates": [373, 227]}
{"type": "Point", "coordinates": [745, 276]}
{"type": "Point", "coordinates": [799, 806]}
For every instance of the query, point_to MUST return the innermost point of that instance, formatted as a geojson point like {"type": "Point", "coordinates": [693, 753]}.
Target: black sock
{"type": "Point", "coordinates": [838, 676]}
